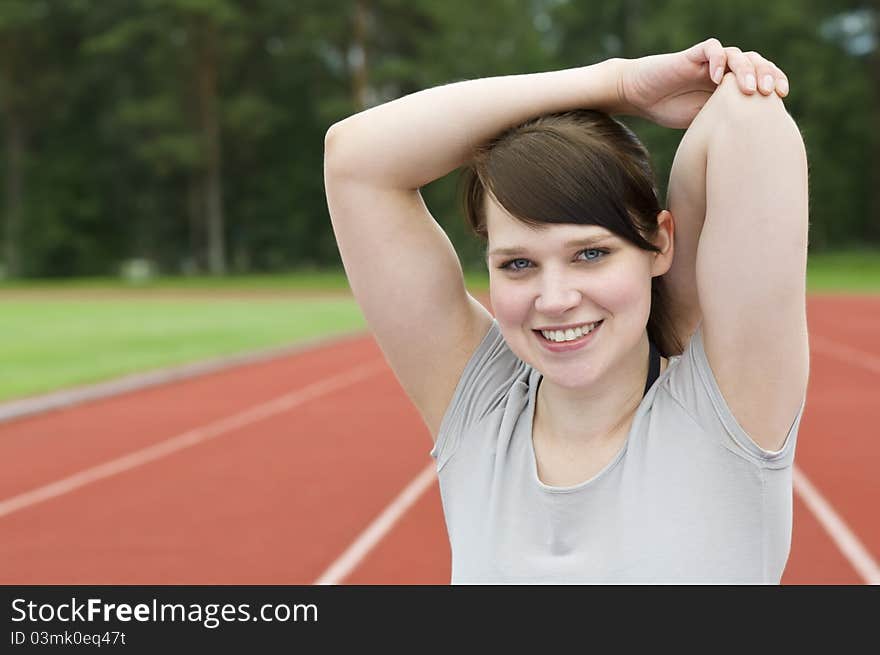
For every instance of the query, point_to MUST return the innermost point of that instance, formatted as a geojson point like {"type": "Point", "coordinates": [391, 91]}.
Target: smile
{"type": "Point", "coordinates": [570, 334]}
{"type": "Point", "coordinates": [570, 339]}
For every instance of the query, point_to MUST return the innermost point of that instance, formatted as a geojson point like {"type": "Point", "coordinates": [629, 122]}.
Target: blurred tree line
{"type": "Point", "coordinates": [190, 132]}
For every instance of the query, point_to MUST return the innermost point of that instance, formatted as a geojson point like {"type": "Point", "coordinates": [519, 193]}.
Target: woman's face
{"type": "Point", "coordinates": [567, 274]}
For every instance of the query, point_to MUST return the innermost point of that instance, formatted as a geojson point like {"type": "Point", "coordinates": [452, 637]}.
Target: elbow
{"type": "Point", "coordinates": [739, 106]}
{"type": "Point", "coordinates": [748, 113]}
{"type": "Point", "coordinates": [331, 148]}
{"type": "Point", "coordinates": [330, 138]}
{"type": "Point", "coordinates": [343, 145]}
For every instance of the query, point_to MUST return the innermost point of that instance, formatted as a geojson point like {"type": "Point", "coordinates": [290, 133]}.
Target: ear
{"type": "Point", "coordinates": [665, 240]}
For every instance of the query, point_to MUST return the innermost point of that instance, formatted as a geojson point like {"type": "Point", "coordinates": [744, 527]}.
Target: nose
{"type": "Point", "coordinates": [557, 296]}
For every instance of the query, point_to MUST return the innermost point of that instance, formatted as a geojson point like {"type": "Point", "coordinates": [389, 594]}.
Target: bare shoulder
{"type": "Point", "coordinates": [450, 364]}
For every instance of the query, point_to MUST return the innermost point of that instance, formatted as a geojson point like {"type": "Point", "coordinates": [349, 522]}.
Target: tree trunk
{"type": "Point", "coordinates": [210, 129]}
{"type": "Point", "coordinates": [195, 213]}
{"type": "Point", "coordinates": [873, 224]}
{"type": "Point", "coordinates": [13, 185]}
{"type": "Point", "coordinates": [631, 48]}
{"type": "Point", "coordinates": [357, 57]}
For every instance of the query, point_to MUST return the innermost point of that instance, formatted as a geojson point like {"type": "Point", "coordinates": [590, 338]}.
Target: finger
{"type": "Point", "coordinates": [717, 59]}
{"type": "Point", "coordinates": [711, 54]}
{"type": "Point", "coordinates": [781, 80]}
{"type": "Point", "coordinates": [743, 68]}
{"type": "Point", "coordinates": [764, 73]}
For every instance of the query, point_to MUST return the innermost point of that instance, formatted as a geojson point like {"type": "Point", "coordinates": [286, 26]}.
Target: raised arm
{"type": "Point", "coordinates": [401, 266]}
{"type": "Point", "coordinates": [686, 200]}
{"type": "Point", "coordinates": [742, 164]}
{"type": "Point", "coordinates": [411, 141]}
{"type": "Point", "coordinates": [647, 84]}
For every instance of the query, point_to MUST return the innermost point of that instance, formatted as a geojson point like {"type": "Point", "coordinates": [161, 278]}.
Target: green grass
{"type": "Point", "coordinates": [47, 345]}
{"type": "Point", "coordinates": [854, 271]}
{"type": "Point", "coordinates": [330, 280]}
{"type": "Point", "coordinates": [318, 280]}
{"type": "Point", "coordinates": [67, 339]}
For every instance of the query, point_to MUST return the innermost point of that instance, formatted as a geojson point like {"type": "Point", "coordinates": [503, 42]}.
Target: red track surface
{"type": "Point", "coordinates": [278, 500]}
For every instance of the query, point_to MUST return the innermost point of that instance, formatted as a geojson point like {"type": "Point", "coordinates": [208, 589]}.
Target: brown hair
{"type": "Point", "coordinates": [581, 167]}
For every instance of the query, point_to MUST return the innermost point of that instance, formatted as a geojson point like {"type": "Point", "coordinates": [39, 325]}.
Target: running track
{"type": "Point", "coordinates": [275, 473]}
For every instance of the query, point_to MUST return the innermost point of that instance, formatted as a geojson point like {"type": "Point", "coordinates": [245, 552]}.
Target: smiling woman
{"type": "Point", "coordinates": [581, 434]}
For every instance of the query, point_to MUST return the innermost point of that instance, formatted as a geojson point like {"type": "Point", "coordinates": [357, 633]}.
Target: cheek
{"type": "Point", "coordinates": [511, 303]}
{"type": "Point", "coordinates": [621, 293]}
{"type": "Point", "coordinates": [628, 299]}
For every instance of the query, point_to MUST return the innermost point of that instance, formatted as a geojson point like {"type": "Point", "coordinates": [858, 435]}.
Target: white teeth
{"type": "Point", "coordinates": [571, 334]}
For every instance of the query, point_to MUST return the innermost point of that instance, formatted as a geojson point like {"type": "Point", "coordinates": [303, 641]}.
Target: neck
{"type": "Point", "coordinates": [600, 414]}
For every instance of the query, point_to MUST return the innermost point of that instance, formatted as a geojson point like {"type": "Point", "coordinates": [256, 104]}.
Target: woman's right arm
{"type": "Point", "coordinates": [408, 142]}
{"type": "Point", "coordinates": [401, 266]}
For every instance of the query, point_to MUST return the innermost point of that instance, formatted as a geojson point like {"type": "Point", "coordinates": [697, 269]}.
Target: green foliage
{"type": "Point", "coordinates": [832, 98]}
{"type": "Point", "coordinates": [115, 160]}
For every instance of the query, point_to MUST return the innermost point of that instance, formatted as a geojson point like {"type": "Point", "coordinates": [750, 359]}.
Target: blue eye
{"type": "Point", "coordinates": [510, 264]}
{"type": "Point", "coordinates": [596, 250]}
{"type": "Point", "coordinates": [515, 268]}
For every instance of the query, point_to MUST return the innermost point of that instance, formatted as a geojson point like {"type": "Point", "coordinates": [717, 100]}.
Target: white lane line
{"type": "Point", "coordinates": [381, 525]}
{"type": "Point", "coordinates": [844, 538]}
{"type": "Point", "coordinates": [844, 353]}
{"type": "Point", "coordinates": [191, 437]}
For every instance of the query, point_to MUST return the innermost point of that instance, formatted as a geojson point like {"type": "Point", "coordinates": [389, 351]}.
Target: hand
{"type": "Point", "coordinates": [670, 89]}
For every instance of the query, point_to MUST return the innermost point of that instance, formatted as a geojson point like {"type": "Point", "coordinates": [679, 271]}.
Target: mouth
{"type": "Point", "coordinates": [573, 344]}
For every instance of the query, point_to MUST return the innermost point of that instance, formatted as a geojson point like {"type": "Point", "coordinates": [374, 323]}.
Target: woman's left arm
{"type": "Point", "coordinates": [672, 89]}
{"type": "Point", "coordinates": [742, 164]}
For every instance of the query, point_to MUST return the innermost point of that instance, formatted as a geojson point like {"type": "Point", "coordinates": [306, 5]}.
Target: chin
{"type": "Point", "coordinates": [570, 382]}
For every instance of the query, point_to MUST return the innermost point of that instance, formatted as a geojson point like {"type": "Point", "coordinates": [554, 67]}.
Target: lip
{"type": "Point", "coordinates": [569, 345]}
{"type": "Point", "coordinates": [569, 326]}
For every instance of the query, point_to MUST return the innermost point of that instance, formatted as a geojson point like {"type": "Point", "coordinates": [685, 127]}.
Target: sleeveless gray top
{"type": "Point", "coordinates": [689, 498]}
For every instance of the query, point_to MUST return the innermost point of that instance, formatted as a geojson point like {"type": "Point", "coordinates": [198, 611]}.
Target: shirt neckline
{"type": "Point", "coordinates": [535, 378]}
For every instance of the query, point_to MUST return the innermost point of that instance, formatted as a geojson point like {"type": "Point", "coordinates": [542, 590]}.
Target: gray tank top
{"type": "Point", "coordinates": [689, 498]}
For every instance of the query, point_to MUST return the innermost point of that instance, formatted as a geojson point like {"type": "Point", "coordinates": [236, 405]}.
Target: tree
{"type": "Point", "coordinates": [31, 78]}
{"type": "Point", "coordinates": [176, 116]}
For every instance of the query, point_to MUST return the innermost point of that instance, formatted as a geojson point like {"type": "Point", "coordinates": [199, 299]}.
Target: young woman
{"type": "Point", "coordinates": [629, 414]}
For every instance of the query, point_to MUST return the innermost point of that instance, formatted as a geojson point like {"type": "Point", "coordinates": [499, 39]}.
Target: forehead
{"type": "Point", "coordinates": [511, 236]}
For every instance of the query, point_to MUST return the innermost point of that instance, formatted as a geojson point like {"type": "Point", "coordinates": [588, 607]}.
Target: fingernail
{"type": "Point", "coordinates": [782, 85]}
{"type": "Point", "coordinates": [750, 82]}
{"type": "Point", "coordinates": [717, 75]}
{"type": "Point", "coordinates": [767, 83]}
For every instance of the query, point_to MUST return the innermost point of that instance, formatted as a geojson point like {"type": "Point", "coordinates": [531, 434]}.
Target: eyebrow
{"type": "Point", "coordinates": [516, 250]}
